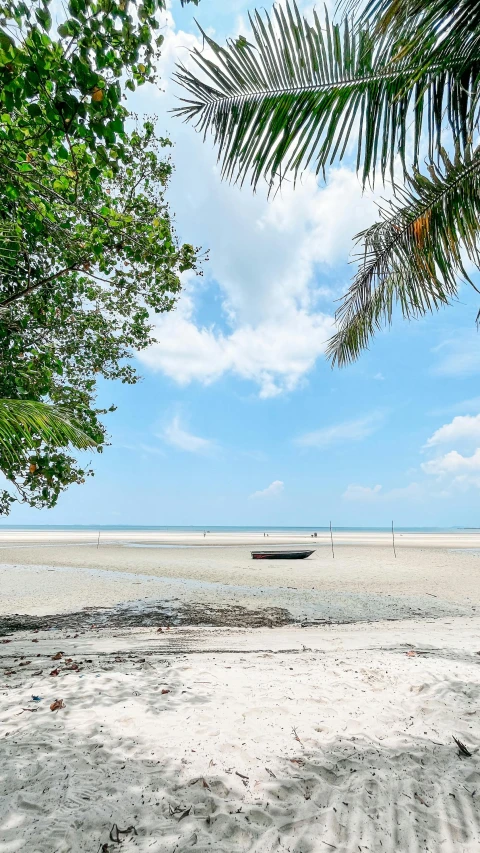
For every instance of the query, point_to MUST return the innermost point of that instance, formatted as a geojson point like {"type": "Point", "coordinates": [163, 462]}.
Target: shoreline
{"type": "Point", "coordinates": [462, 538]}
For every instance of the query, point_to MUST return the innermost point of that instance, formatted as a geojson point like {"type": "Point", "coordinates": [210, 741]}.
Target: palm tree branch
{"type": "Point", "coordinates": [299, 91]}
{"type": "Point", "coordinates": [413, 256]}
{"type": "Point", "coordinates": [24, 422]}
{"type": "Point", "coordinates": [435, 27]}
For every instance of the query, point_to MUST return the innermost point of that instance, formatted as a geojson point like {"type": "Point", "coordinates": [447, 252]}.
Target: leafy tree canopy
{"type": "Point", "coordinates": [87, 248]}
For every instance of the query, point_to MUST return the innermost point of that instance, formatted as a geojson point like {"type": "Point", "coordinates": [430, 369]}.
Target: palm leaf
{"type": "Point", "coordinates": [436, 27]}
{"type": "Point", "coordinates": [24, 422]}
{"type": "Point", "coordinates": [413, 256]}
{"type": "Point", "coordinates": [298, 94]}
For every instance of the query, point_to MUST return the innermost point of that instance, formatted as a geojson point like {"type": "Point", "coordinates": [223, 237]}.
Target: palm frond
{"type": "Point", "coordinates": [414, 256]}
{"type": "Point", "coordinates": [428, 29]}
{"type": "Point", "coordinates": [24, 422]}
{"type": "Point", "coordinates": [298, 94]}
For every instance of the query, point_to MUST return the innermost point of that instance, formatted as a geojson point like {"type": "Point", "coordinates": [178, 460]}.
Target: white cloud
{"type": "Point", "coordinates": [175, 435]}
{"type": "Point", "coordinates": [154, 451]}
{"type": "Point", "coordinates": [453, 463]}
{"type": "Point", "coordinates": [274, 355]}
{"type": "Point", "coordinates": [354, 430]}
{"type": "Point", "coordinates": [380, 377]}
{"type": "Point", "coordinates": [453, 470]}
{"type": "Point", "coordinates": [412, 491]}
{"type": "Point", "coordinates": [364, 494]}
{"type": "Point", "coordinates": [354, 492]}
{"type": "Point", "coordinates": [462, 428]}
{"type": "Point", "coordinates": [458, 356]}
{"type": "Point", "coordinates": [273, 490]}
{"type": "Point", "coordinates": [470, 405]}
{"type": "Point", "coordinates": [456, 469]}
{"type": "Point", "coordinates": [145, 448]}
{"type": "Point", "coordinates": [265, 256]}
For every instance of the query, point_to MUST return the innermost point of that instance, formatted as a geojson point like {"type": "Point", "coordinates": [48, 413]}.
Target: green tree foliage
{"type": "Point", "coordinates": [87, 249]}
{"type": "Point", "coordinates": [401, 80]}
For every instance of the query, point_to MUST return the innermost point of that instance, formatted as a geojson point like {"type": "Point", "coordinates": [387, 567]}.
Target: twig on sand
{"type": "Point", "coordinates": [115, 830]}
{"type": "Point", "coordinates": [185, 813]}
{"type": "Point", "coordinates": [295, 735]}
{"type": "Point", "coordinates": [462, 748]}
{"type": "Point", "coordinates": [245, 779]}
{"type": "Point", "coordinates": [177, 809]}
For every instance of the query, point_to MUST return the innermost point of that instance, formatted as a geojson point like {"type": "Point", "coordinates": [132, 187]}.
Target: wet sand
{"type": "Point", "coordinates": [361, 583]}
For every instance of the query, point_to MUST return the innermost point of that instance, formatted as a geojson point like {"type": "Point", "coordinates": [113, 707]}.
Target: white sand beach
{"type": "Point", "coordinates": [290, 738]}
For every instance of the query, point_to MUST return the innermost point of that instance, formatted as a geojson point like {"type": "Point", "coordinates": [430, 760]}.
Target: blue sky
{"type": "Point", "coordinates": [239, 419]}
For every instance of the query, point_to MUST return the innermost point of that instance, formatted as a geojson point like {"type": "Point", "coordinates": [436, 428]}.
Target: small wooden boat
{"type": "Point", "coordinates": [281, 555]}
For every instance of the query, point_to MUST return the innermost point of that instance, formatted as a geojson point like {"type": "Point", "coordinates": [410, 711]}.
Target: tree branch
{"type": "Point", "coordinates": [15, 296]}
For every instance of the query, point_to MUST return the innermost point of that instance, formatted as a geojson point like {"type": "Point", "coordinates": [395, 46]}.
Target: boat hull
{"type": "Point", "coordinates": [281, 555]}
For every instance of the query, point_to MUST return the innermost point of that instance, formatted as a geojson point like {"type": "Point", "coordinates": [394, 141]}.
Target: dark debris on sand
{"type": "Point", "coordinates": [150, 615]}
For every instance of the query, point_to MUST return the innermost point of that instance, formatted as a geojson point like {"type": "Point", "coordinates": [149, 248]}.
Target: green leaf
{"type": "Point", "coordinates": [27, 420]}
{"type": "Point", "coordinates": [68, 29]}
{"type": "Point", "coordinates": [44, 18]}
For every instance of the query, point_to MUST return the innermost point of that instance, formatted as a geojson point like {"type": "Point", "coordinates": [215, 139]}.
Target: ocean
{"type": "Point", "coordinates": [231, 528]}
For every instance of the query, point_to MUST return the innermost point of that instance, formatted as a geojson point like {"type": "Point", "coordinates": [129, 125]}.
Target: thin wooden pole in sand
{"type": "Point", "coordinates": [331, 540]}
{"type": "Point", "coordinates": [98, 540]}
{"type": "Point", "coordinates": [393, 541]}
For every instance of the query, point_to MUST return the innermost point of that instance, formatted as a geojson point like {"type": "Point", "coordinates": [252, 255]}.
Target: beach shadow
{"type": "Point", "coordinates": [105, 759]}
